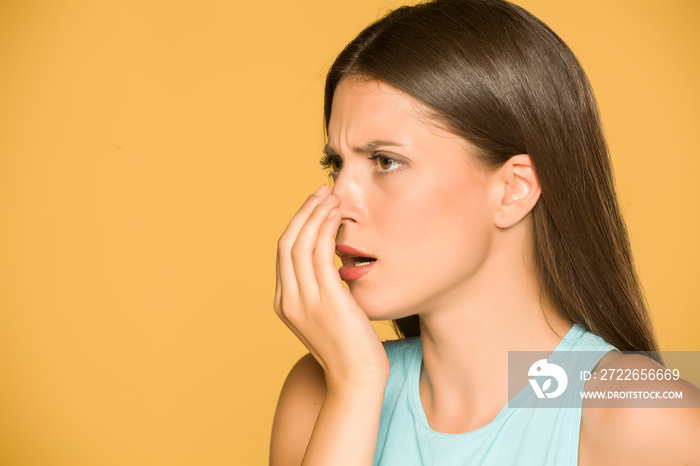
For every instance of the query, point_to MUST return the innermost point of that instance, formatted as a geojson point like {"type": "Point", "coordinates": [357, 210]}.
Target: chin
{"type": "Point", "coordinates": [377, 305]}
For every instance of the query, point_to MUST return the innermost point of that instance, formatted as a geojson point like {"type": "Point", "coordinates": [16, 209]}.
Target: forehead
{"type": "Point", "coordinates": [373, 92]}
{"type": "Point", "coordinates": [368, 109]}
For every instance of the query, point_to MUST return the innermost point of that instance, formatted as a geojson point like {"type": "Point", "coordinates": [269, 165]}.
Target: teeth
{"type": "Point", "coordinates": [359, 264]}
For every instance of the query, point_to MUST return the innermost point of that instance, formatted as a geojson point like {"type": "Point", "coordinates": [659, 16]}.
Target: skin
{"type": "Point", "coordinates": [453, 242]}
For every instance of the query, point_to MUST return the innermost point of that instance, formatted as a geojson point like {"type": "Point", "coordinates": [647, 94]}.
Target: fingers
{"type": "Point", "coordinates": [278, 282]}
{"type": "Point", "coordinates": [311, 299]}
{"type": "Point", "coordinates": [304, 212]}
{"type": "Point", "coordinates": [287, 277]}
{"type": "Point", "coordinates": [324, 255]}
{"type": "Point", "coordinates": [305, 247]}
{"type": "Point", "coordinates": [297, 289]}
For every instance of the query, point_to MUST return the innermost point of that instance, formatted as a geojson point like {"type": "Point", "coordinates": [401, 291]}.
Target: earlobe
{"type": "Point", "coordinates": [520, 190]}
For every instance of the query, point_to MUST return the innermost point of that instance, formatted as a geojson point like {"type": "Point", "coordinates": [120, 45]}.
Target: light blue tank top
{"type": "Point", "coordinates": [516, 436]}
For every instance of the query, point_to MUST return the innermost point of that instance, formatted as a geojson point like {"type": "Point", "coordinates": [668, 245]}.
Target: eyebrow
{"type": "Point", "coordinates": [369, 147]}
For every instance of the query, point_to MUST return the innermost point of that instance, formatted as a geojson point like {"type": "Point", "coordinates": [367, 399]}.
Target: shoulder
{"type": "Point", "coordinates": [638, 430]}
{"type": "Point", "coordinates": [403, 350]}
{"type": "Point", "coordinates": [404, 355]}
{"type": "Point", "coordinates": [401, 344]}
{"type": "Point", "coordinates": [300, 401]}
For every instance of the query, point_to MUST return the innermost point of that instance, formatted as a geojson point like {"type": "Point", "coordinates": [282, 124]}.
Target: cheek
{"type": "Point", "coordinates": [433, 230]}
{"type": "Point", "coordinates": [431, 236]}
{"type": "Point", "coordinates": [454, 205]}
{"type": "Point", "coordinates": [402, 219]}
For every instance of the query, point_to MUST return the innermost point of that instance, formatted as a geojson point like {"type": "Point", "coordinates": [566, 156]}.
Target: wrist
{"type": "Point", "coordinates": [358, 385]}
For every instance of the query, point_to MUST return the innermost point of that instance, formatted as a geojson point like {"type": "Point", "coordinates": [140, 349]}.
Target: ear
{"type": "Point", "coordinates": [519, 188]}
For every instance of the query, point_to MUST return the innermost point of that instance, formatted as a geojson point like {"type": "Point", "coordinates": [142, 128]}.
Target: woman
{"type": "Point", "coordinates": [473, 204]}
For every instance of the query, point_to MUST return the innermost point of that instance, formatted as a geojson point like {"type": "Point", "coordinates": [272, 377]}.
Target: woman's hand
{"type": "Point", "coordinates": [313, 302]}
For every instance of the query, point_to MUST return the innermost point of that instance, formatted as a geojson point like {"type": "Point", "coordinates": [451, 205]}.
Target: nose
{"type": "Point", "coordinates": [350, 191]}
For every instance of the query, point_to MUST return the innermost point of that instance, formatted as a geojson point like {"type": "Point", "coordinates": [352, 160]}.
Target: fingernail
{"type": "Point", "coordinates": [329, 199]}
{"type": "Point", "coordinates": [321, 189]}
{"type": "Point", "coordinates": [333, 213]}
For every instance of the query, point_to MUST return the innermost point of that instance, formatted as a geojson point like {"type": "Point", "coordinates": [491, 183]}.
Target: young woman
{"type": "Point", "coordinates": [473, 204]}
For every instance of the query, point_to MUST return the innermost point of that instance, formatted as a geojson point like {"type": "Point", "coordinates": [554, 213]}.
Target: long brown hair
{"type": "Point", "coordinates": [500, 78]}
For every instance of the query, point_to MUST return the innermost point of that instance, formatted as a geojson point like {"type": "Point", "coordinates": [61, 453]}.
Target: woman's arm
{"type": "Point", "coordinates": [299, 403]}
{"type": "Point", "coordinates": [343, 426]}
{"type": "Point", "coordinates": [330, 405]}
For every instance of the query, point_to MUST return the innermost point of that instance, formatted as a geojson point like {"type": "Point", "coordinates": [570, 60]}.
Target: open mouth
{"type": "Point", "coordinates": [352, 257]}
{"type": "Point", "coordinates": [358, 261]}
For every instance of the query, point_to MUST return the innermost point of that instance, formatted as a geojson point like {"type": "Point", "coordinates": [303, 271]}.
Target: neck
{"type": "Point", "coordinates": [466, 339]}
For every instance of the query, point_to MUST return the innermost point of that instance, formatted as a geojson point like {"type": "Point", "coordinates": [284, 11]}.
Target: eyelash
{"type": "Point", "coordinates": [327, 162]}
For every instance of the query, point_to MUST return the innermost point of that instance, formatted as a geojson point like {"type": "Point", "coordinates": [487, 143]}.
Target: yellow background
{"type": "Point", "coordinates": [151, 152]}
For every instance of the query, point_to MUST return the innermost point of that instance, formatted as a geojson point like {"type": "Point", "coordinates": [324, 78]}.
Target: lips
{"type": "Point", "coordinates": [356, 263]}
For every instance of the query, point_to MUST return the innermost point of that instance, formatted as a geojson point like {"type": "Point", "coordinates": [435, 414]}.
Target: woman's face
{"type": "Point", "coordinates": [412, 196]}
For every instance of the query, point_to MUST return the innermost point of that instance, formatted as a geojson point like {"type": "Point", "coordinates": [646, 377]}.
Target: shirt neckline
{"type": "Point", "coordinates": [572, 336]}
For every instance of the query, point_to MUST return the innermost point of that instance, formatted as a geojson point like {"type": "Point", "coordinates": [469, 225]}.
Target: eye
{"type": "Point", "coordinates": [332, 162]}
{"type": "Point", "coordinates": [385, 164]}
{"type": "Point", "coordinates": [336, 165]}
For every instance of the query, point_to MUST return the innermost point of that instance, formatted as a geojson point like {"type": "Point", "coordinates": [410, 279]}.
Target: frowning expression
{"type": "Point", "coordinates": [412, 195]}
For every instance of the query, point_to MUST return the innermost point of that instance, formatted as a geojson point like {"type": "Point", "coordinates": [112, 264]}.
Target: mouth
{"type": "Point", "coordinates": [350, 260]}
{"type": "Point", "coordinates": [355, 262]}
{"type": "Point", "coordinates": [352, 257]}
